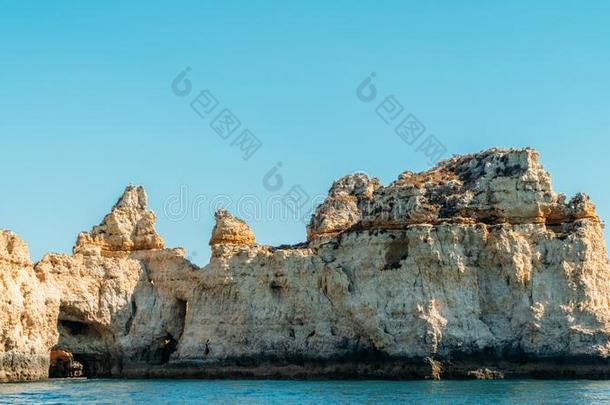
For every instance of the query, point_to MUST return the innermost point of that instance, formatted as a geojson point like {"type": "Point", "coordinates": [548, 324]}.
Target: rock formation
{"type": "Point", "coordinates": [28, 314]}
{"type": "Point", "coordinates": [473, 269]}
{"type": "Point", "coordinates": [129, 226]}
{"type": "Point", "coordinates": [230, 230]}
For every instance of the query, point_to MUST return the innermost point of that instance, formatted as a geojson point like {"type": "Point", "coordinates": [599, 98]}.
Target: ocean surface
{"type": "Point", "coordinates": [306, 392]}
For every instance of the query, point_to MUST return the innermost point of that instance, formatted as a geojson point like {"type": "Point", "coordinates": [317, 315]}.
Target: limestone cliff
{"type": "Point", "coordinates": [475, 268]}
{"type": "Point", "coordinates": [28, 314]}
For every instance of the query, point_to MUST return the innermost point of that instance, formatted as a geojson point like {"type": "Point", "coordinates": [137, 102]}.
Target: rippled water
{"type": "Point", "coordinates": [306, 392]}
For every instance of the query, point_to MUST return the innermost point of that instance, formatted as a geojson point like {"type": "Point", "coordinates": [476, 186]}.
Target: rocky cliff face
{"type": "Point", "coordinates": [28, 319]}
{"type": "Point", "coordinates": [475, 268]}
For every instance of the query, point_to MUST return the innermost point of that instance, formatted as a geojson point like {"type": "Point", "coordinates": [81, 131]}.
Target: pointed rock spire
{"type": "Point", "coordinates": [129, 226]}
{"type": "Point", "coordinates": [13, 249]}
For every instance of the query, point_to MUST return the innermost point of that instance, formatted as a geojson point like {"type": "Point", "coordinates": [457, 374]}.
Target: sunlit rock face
{"type": "Point", "coordinates": [28, 314]}
{"type": "Point", "coordinates": [475, 268]}
{"type": "Point", "coordinates": [110, 310]}
{"type": "Point", "coordinates": [347, 199]}
{"type": "Point", "coordinates": [128, 227]}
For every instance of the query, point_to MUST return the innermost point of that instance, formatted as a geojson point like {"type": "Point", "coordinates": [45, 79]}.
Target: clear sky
{"type": "Point", "coordinates": [87, 107]}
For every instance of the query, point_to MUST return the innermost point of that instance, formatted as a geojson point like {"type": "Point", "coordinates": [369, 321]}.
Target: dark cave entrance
{"type": "Point", "coordinates": [168, 347]}
{"type": "Point", "coordinates": [169, 343]}
{"type": "Point", "coordinates": [86, 350]}
{"type": "Point", "coordinates": [74, 328]}
{"type": "Point", "coordinates": [67, 359]}
{"type": "Point", "coordinates": [63, 364]}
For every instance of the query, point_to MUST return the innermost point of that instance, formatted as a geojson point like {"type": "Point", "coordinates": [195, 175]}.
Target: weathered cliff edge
{"type": "Point", "coordinates": [473, 269]}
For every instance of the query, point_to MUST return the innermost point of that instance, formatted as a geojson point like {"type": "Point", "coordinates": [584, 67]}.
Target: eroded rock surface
{"type": "Point", "coordinates": [28, 314]}
{"type": "Point", "coordinates": [129, 226]}
{"type": "Point", "coordinates": [230, 230]}
{"type": "Point", "coordinates": [474, 269]}
{"type": "Point", "coordinates": [347, 200]}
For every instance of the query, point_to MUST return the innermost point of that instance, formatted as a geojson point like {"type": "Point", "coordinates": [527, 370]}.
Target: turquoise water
{"type": "Point", "coordinates": [306, 392]}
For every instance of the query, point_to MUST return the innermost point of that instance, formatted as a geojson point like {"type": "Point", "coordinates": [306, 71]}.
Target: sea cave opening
{"type": "Point", "coordinates": [73, 356]}
{"type": "Point", "coordinates": [169, 344]}
{"type": "Point", "coordinates": [63, 364]}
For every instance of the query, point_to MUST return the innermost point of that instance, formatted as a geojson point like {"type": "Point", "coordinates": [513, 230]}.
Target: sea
{"type": "Point", "coordinates": [115, 391]}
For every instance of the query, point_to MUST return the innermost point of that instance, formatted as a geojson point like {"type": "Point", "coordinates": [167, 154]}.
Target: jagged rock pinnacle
{"type": "Point", "coordinates": [129, 226]}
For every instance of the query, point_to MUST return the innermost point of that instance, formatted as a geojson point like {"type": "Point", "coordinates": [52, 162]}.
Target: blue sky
{"type": "Point", "coordinates": [86, 105]}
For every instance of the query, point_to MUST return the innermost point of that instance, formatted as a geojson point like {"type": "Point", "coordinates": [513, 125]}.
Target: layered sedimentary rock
{"type": "Point", "coordinates": [28, 314]}
{"type": "Point", "coordinates": [230, 230]}
{"type": "Point", "coordinates": [129, 226]}
{"type": "Point", "coordinates": [475, 268]}
{"type": "Point", "coordinates": [109, 307]}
